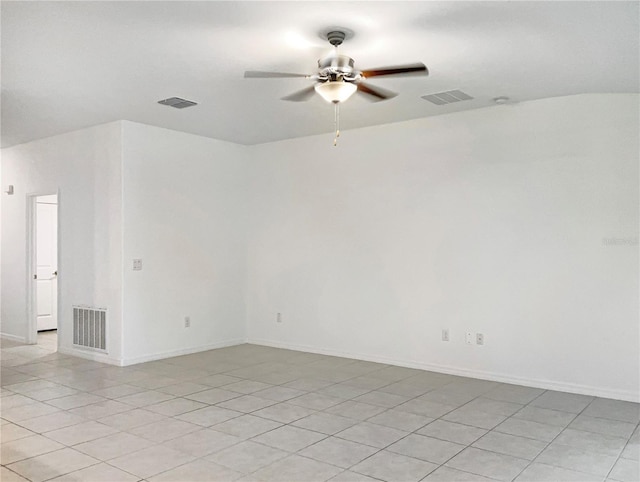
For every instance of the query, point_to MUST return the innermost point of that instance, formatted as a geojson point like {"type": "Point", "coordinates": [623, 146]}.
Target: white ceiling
{"type": "Point", "coordinates": [69, 65]}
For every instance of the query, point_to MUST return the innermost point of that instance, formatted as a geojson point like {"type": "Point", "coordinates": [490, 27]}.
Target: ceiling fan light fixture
{"type": "Point", "coordinates": [336, 91]}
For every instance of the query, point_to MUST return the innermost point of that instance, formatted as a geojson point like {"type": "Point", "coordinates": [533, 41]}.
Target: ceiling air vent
{"type": "Point", "coordinates": [177, 102]}
{"type": "Point", "coordinates": [449, 97]}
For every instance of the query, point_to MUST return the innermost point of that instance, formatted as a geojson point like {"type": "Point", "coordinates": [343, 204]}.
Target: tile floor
{"type": "Point", "coordinates": [254, 413]}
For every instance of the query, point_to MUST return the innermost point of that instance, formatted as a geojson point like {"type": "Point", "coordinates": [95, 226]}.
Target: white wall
{"type": "Point", "coordinates": [184, 216]}
{"type": "Point", "coordinates": [84, 166]}
{"type": "Point", "coordinates": [487, 221]}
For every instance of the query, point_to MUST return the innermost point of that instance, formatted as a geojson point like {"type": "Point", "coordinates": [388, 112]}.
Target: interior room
{"type": "Point", "coordinates": [312, 241]}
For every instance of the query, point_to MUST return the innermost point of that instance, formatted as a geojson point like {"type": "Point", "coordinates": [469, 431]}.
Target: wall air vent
{"type": "Point", "coordinates": [448, 97]}
{"type": "Point", "coordinates": [90, 328]}
{"type": "Point", "coordinates": [177, 102]}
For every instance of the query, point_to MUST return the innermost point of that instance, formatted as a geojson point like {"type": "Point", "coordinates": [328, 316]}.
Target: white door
{"type": "Point", "coordinates": [47, 262]}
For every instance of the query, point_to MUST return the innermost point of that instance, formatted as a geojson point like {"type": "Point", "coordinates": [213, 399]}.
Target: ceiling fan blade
{"type": "Point", "coordinates": [377, 94]}
{"type": "Point", "coordinates": [413, 69]}
{"type": "Point", "coordinates": [301, 95]}
{"type": "Point", "coordinates": [258, 74]}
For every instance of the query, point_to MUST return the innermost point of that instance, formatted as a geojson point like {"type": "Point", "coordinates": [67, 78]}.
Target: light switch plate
{"type": "Point", "coordinates": [137, 265]}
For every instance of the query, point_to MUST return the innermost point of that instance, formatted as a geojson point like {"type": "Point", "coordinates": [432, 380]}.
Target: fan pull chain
{"type": "Point", "coordinates": [336, 122]}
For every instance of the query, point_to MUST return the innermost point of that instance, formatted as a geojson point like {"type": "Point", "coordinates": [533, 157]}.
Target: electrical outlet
{"type": "Point", "coordinates": [137, 265]}
{"type": "Point", "coordinates": [469, 338]}
{"type": "Point", "coordinates": [445, 334]}
{"type": "Point", "coordinates": [479, 339]}
{"type": "Point", "coordinates": [279, 318]}
{"type": "Point", "coordinates": [187, 322]}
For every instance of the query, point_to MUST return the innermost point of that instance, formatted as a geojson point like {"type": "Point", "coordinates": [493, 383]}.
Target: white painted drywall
{"type": "Point", "coordinates": [185, 217]}
{"type": "Point", "coordinates": [84, 167]}
{"type": "Point", "coordinates": [487, 221]}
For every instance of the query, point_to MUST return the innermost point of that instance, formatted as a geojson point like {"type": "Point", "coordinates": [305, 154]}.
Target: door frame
{"type": "Point", "coordinates": [32, 310]}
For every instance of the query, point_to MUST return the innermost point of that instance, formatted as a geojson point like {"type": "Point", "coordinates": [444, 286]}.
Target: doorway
{"type": "Point", "coordinates": [44, 260]}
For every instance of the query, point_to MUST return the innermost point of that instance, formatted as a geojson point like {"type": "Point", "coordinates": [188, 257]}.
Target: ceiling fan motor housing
{"type": "Point", "coordinates": [337, 67]}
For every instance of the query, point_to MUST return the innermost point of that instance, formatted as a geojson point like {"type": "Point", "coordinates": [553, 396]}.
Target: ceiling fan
{"type": "Point", "coordinates": [337, 78]}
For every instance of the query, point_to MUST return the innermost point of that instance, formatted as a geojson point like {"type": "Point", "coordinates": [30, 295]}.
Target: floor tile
{"type": "Point", "coordinates": [614, 409]}
{"type": "Point", "coordinates": [75, 401]}
{"type": "Point", "coordinates": [426, 448]}
{"type": "Point", "coordinates": [51, 393]}
{"type": "Point", "coordinates": [326, 423]}
{"type": "Point", "coordinates": [401, 420]}
{"type": "Point", "coordinates": [151, 461]}
{"type": "Point", "coordinates": [164, 430]}
{"type": "Point", "coordinates": [175, 406]}
{"type": "Point", "coordinates": [372, 434]}
{"type": "Point", "coordinates": [217, 380]}
{"type": "Point", "coordinates": [335, 451]}
{"type": "Point", "coordinates": [100, 410]}
{"type": "Point", "coordinates": [203, 442]}
{"type": "Point", "coordinates": [348, 476]}
{"type": "Point", "coordinates": [514, 393]}
{"type": "Point", "coordinates": [572, 458]}
{"type": "Point", "coordinates": [82, 432]}
{"type": "Point", "coordinates": [289, 438]}
{"type": "Point", "coordinates": [247, 386]}
{"type": "Point", "coordinates": [112, 446]}
{"type": "Point", "coordinates": [10, 432]}
{"type": "Point", "coordinates": [546, 416]}
{"type": "Point", "coordinates": [131, 419]}
{"type": "Point", "coordinates": [342, 390]}
{"type": "Point", "coordinates": [97, 473]}
{"type": "Point", "coordinates": [565, 402]}
{"type": "Point", "coordinates": [529, 429]}
{"type": "Point", "coordinates": [498, 407]}
{"type": "Point", "coordinates": [524, 448]}
{"type": "Point", "coordinates": [475, 418]}
{"type": "Point", "coordinates": [407, 388]}
{"type": "Point", "coordinates": [16, 400]}
{"type": "Point", "coordinates": [592, 442]}
{"type": "Point", "coordinates": [246, 426]}
{"type": "Point", "coordinates": [247, 457]}
{"type": "Point", "coordinates": [426, 408]}
{"type": "Point", "coordinates": [315, 401]}
{"type": "Point", "coordinates": [24, 412]}
{"type": "Point", "coordinates": [53, 464]}
{"type": "Point", "coordinates": [625, 471]}
{"type": "Point", "coordinates": [297, 468]}
{"type": "Point", "coordinates": [452, 432]}
{"type": "Point", "coordinates": [142, 399]}
{"type": "Point", "coordinates": [118, 391]}
{"type": "Point", "coordinates": [197, 471]}
{"type": "Point", "coordinates": [185, 388]}
{"type": "Point", "coordinates": [447, 474]}
{"type": "Point", "coordinates": [488, 464]}
{"type": "Point", "coordinates": [213, 396]}
{"type": "Point", "coordinates": [389, 466]}
{"type": "Point", "coordinates": [603, 426]}
{"type": "Point", "coordinates": [279, 394]}
{"type": "Point", "coordinates": [284, 412]}
{"type": "Point", "coordinates": [27, 447]}
{"type": "Point", "coordinates": [7, 475]}
{"type": "Point", "coordinates": [631, 451]}
{"type": "Point", "coordinates": [356, 410]}
{"type": "Point", "coordinates": [308, 384]}
{"type": "Point", "coordinates": [247, 404]}
{"type": "Point", "coordinates": [538, 472]}
{"type": "Point", "coordinates": [381, 399]}
{"type": "Point", "coordinates": [208, 416]}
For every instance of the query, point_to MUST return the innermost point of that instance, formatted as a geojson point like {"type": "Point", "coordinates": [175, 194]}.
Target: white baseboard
{"type": "Point", "coordinates": [89, 355]}
{"type": "Point", "coordinates": [184, 351]}
{"type": "Point", "coordinates": [7, 336]}
{"type": "Point", "coordinates": [627, 395]}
